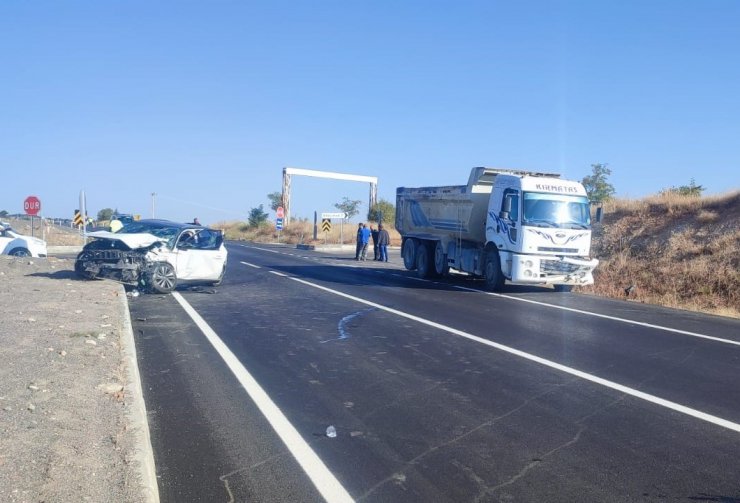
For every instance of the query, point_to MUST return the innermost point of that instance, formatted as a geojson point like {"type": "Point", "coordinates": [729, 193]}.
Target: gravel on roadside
{"type": "Point", "coordinates": [72, 426]}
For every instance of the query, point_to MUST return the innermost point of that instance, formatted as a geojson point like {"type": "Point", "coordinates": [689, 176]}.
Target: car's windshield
{"type": "Point", "coordinates": [167, 233]}
{"type": "Point", "coordinates": [553, 210]}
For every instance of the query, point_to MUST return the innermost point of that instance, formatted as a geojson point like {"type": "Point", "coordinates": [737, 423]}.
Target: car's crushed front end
{"type": "Point", "coordinates": [115, 259]}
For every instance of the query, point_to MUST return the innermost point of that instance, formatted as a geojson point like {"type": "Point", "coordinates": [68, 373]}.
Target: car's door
{"type": "Point", "coordinates": [199, 255]}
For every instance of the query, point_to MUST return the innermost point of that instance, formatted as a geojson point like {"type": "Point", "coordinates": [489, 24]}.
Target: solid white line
{"type": "Point", "coordinates": [542, 361]}
{"type": "Point", "coordinates": [317, 471]}
{"type": "Point", "coordinates": [605, 316]}
{"type": "Point", "coordinates": [251, 265]}
{"type": "Point", "coordinates": [279, 274]}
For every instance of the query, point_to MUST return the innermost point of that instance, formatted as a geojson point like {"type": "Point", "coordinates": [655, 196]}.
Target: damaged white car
{"type": "Point", "coordinates": [18, 245]}
{"type": "Point", "coordinates": [155, 255]}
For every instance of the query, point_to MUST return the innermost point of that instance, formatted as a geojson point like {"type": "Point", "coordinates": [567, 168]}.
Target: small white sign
{"type": "Point", "coordinates": [333, 215]}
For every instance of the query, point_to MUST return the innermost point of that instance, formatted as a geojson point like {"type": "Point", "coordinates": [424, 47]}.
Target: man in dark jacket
{"type": "Point", "coordinates": [374, 235]}
{"type": "Point", "coordinates": [358, 249]}
{"type": "Point", "coordinates": [384, 239]}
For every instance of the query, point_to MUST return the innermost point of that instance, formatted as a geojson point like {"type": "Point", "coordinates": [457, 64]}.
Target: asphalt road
{"type": "Point", "coordinates": [437, 391]}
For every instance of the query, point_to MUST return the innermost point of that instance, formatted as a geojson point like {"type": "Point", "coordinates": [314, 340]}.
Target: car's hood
{"type": "Point", "coordinates": [131, 240]}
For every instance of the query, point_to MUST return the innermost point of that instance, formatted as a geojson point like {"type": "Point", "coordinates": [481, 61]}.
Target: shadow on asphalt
{"type": "Point", "coordinates": [63, 274]}
{"type": "Point", "coordinates": [396, 277]}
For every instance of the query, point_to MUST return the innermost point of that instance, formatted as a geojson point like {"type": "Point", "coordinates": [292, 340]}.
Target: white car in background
{"type": "Point", "coordinates": [18, 245]}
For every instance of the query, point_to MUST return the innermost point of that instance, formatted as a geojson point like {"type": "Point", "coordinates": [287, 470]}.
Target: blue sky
{"type": "Point", "coordinates": [205, 102]}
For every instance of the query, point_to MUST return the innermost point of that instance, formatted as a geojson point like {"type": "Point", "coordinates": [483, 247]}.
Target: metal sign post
{"type": "Point", "coordinates": [327, 217]}
{"type": "Point", "coordinates": [83, 212]}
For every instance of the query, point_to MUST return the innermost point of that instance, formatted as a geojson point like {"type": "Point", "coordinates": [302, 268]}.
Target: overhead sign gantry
{"type": "Point", "coordinates": [289, 172]}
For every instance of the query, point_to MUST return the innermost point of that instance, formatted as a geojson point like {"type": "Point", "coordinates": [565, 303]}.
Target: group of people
{"type": "Point", "coordinates": [380, 237]}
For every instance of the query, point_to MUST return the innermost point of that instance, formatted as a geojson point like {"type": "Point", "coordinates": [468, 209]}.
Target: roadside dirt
{"type": "Point", "coordinates": [65, 428]}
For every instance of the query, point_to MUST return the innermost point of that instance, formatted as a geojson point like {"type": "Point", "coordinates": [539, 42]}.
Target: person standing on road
{"type": "Point", "coordinates": [374, 235]}
{"type": "Point", "coordinates": [384, 239]}
{"type": "Point", "coordinates": [365, 238]}
{"type": "Point", "coordinates": [358, 249]}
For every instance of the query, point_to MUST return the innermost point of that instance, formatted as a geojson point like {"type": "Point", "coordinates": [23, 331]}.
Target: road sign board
{"type": "Point", "coordinates": [279, 224]}
{"type": "Point", "coordinates": [280, 212]}
{"type": "Point", "coordinates": [32, 205]}
{"type": "Point", "coordinates": [333, 215]}
{"type": "Point", "coordinates": [326, 225]}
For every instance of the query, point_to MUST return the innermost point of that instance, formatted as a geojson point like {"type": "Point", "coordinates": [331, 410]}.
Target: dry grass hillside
{"type": "Point", "coordinates": [671, 250]}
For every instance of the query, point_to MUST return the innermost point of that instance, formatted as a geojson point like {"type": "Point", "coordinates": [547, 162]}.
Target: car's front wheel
{"type": "Point", "coordinates": [162, 277]}
{"type": "Point", "coordinates": [80, 266]}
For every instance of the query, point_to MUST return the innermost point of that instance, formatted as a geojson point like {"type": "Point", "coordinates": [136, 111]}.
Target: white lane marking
{"type": "Point", "coordinates": [251, 265]}
{"type": "Point", "coordinates": [266, 249]}
{"type": "Point", "coordinates": [279, 274]}
{"type": "Point", "coordinates": [317, 471]}
{"type": "Point", "coordinates": [605, 316]}
{"type": "Point", "coordinates": [542, 361]}
{"type": "Point", "coordinates": [571, 309]}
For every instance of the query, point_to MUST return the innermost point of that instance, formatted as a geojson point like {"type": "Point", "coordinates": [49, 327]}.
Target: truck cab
{"type": "Point", "coordinates": [541, 227]}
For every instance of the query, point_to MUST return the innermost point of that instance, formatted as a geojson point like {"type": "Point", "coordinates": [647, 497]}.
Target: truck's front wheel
{"type": "Point", "coordinates": [408, 252]}
{"type": "Point", "coordinates": [492, 271]}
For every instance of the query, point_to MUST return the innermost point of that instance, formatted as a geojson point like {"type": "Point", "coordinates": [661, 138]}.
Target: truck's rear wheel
{"type": "Point", "coordinates": [492, 271]}
{"type": "Point", "coordinates": [440, 260]}
{"type": "Point", "coordinates": [424, 261]}
{"type": "Point", "coordinates": [563, 288]}
{"type": "Point", "coordinates": [408, 252]}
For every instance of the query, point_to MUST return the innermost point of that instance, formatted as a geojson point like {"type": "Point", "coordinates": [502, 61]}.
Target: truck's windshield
{"type": "Point", "coordinates": [553, 210]}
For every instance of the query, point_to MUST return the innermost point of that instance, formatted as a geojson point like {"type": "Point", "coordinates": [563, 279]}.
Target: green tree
{"type": "Point", "coordinates": [350, 207]}
{"type": "Point", "coordinates": [382, 211]}
{"type": "Point", "coordinates": [597, 185]}
{"type": "Point", "coordinates": [257, 216]}
{"type": "Point", "coordinates": [276, 200]}
{"type": "Point", "coordinates": [3, 213]}
{"type": "Point", "coordinates": [690, 190]}
{"type": "Point", "coordinates": [105, 214]}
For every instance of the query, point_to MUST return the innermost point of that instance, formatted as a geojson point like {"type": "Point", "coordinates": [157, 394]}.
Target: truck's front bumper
{"type": "Point", "coordinates": [552, 270]}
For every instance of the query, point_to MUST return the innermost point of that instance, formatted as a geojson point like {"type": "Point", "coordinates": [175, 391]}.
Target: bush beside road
{"type": "Point", "coordinates": [72, 426]}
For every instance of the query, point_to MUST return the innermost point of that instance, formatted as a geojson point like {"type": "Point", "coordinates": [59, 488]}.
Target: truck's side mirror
{"type": "Point", "coordinates": [506, 208]}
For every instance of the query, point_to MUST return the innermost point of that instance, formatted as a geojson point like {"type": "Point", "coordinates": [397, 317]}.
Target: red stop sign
{"type": "Point", "coordinates": [32, 205]}
{"type": "Point", "coordinates": [280, 212]}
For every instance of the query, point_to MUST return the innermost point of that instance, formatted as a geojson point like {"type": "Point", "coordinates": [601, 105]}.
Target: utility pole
{"type": "Point", "coordinates": [154, 198]}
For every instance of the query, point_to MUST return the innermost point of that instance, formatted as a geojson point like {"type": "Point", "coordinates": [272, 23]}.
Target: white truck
{"type": "Point", "coordinates": [521, 226]}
